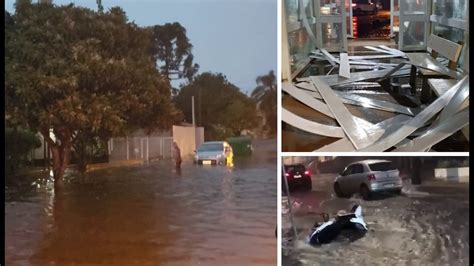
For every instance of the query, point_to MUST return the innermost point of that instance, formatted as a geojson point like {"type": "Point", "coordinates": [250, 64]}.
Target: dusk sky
{"type": "Point", "coordinates": [235, 37]}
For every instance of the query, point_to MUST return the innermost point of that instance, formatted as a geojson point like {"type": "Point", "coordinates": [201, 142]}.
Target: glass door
{"type": "Point", "coordinates": [331, 32]}
{"type": "Point", "coordinates": [414, 24]}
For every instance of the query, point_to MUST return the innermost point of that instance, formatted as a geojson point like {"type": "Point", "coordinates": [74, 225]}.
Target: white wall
{"type": "Point", "coordinates": [460, 174]}
{"type": "Point", "coordinates": [188, 138]}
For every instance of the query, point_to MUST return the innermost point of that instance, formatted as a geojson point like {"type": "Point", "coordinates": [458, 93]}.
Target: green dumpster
{"type": "Point", "coordinates": [242, 146]}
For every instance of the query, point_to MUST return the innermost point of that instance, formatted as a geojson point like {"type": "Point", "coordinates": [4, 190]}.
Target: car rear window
{"type": "Point", "coordinates": [211, 147]}
{"type": "Point", "coordinates": [290, 168]}
{"type": "Point", "coordinates": [384, 166]}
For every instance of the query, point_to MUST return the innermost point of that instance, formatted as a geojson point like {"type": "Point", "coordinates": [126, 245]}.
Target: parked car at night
{"type": "Point", "coordinates": [298, 176]}
{"type": "Point", "coordinates": [368, 177]}
{"type": "Point", "coordinates": [213, 153]}
{"type": "Point", "coordinates": [364, 6]}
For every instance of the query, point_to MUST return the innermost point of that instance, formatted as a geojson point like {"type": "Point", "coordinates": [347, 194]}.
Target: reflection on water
{"type": "Point", "coordinates": [150, 215]}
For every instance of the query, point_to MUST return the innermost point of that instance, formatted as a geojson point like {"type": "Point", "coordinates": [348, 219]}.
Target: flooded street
{"type": "Point", "coordinates": [426, 225]}
{"type": "Point", "coordinates": [150, 215]}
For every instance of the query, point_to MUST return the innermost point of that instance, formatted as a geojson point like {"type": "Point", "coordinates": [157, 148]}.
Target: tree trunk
{"type": "Point", "coordinates": [61, 154]}
{"type": "Point", "coordinates": [57, 175]}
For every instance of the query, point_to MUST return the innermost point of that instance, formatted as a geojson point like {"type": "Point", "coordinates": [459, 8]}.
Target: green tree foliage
{"type": "Point", "coordinates": [88, 146]}
{"type": "Point", "coordinates": [77, 71]}
{"type": "Point", "coordinates": [18, 143]}
{"type": "Point", "coordinates": [265, 95]}
{"type": "Point", "coordinates": [172, 51]}
{"type": "Point", "coordinates": [221, 108]}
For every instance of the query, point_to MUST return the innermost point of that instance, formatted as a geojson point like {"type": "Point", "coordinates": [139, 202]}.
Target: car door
{"type": "Point", "coordinates": [344, 180]}
{"type": "Point", "coordinates": [351, 179]}
{"type": "Point", "coordinates": [358, 177]}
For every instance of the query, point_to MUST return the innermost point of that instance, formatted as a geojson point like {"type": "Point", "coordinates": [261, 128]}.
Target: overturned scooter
{"type": "Point", "coordinates": [329, 230]}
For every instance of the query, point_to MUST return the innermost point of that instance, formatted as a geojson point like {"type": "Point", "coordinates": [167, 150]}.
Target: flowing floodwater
{"type": "Point", "coordinates": [149, 215]}
{"type": "Point", "coordinates": [427, 226]}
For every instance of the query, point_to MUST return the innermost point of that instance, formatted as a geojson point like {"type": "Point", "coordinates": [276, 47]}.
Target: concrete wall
{"type": "Point", "coordinates": [188, 138]}
{"type": "Point", "coordinates": [460, 174]}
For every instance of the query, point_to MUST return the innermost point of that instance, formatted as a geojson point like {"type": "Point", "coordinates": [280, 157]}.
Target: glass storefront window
{"type": "Point", "coordinates": [291, 8]}
{"type": "Point", "coordinates": [330, 7]}
{"type": "Point", "coordinates": [450, 8]}
{"type": "Point", "coordinates": [300, 46]}
{"type": "Point", "coordinates": [414, 35]}
{"type": "Point", "coordinates": [414, 7]}
{"type": "Point", "coordinates": [332, 35]}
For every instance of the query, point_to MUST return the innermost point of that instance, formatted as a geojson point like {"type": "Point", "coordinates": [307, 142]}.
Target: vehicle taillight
{"type": "Point", "coordinates": [354, 4]}
{"type": "Point", "coordinates": [306, 172]}
{"type": "Point", "coordinates": [371, 177]}
{"type": "Point", "coordinates": [287, 175]}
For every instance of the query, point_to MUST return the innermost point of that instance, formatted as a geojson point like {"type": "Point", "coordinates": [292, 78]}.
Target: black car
{"type": "Point", "coordinates": [298, 176]}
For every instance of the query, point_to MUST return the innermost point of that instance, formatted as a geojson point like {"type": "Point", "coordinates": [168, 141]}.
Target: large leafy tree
{"type": "Point", "coordinates": [265, 95]}
{"type": "Point", "coordinates": [220, 107]}
{"type": "Point", "coordinates": [76, 72]}
{"type": "Point", "coordinates": [172, 51]}
{"type": "Point", "coordinates": [18, 144]}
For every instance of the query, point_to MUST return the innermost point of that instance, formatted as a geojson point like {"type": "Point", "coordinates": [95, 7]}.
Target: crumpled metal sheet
{"type": "Point", "coordinates": [456, 103]}
{"type": "Point", "coordinates": [317, 105]}
{"type": "Point", "coordinates": [378, 130]}
{"type": "Point", "coordinates": [436, 134]}
{"type": "Point", "coordinates": [344, 66]}
{"type": "Point", "coordinates": [356, 134]}
{"type": "Point", "coordinates": [306, 99]}
{"type": "Point", "coordinates": [333, 80]}
{"type": "Point", "coordinates": [424, 60]}
{"type": "Point", "coordinates": [310, 126]}
{"type": "Point", "coordinates": [358, 100]}
{"type": "Point", "coordinates": [420, 119]}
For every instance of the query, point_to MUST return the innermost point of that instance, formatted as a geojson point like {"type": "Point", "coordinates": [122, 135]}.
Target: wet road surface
{"type": "Point", "coordinates": [149, 215]}
{"type": "Point", "coordinates": [427, 225]}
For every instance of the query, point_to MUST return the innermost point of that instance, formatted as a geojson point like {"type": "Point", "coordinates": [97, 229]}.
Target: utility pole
{"type": "Point", "coordinates": [200, 113]}
{"type": "Point", "coordinates": [192, 106]}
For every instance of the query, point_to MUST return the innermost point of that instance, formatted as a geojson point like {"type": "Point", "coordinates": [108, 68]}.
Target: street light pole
{"type": "Point", "coordinates": [192, 106]}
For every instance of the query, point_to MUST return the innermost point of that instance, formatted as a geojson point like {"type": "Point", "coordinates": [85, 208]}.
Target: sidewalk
{"type": "Point", "coordinates": [99, 166]}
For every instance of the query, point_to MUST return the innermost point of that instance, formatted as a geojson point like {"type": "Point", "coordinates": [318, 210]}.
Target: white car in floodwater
{"type": "Point", "coordinates": [213, 152]}
{"type": "Point", "coordinates": [368, 177]}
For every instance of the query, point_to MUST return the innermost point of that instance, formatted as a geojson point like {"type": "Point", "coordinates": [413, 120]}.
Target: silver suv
{"type": "Point", "coordinates": [368, 177]}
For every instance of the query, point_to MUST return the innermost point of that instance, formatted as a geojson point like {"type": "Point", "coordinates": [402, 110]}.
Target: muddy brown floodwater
{"type": "Point", "coordinates": [427, 225]}
{"type": "Point", "coordinates": [149, 215]}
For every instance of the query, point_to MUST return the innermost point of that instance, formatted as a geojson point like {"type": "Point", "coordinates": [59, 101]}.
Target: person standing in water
{"type": "Point", "coordinates": [177, 155]}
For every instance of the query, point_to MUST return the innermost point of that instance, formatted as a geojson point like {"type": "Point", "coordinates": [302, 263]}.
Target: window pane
{"type": "Point", "coordinates": [414, 34]}
{"type": "Point", "coordinates": [300, 46]}
{"type": "Point", "coordinates": [330, 7]}
{"type": "Point", "coordinates": [291, 8]}
{"type": "Point", "coordinates": [385, 166]}
{"type": "Point", "coordinates": [450, 9]}
{"type": "Point", "coordinates": [332, 35]}
{"type": "Point", "coordinates": [414, 7]}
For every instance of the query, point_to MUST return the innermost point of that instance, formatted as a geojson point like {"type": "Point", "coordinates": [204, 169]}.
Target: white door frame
{"type": "Point", "coordinates": [350, 26]}
{"type": "Point", "coordinates": [393, 13]}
